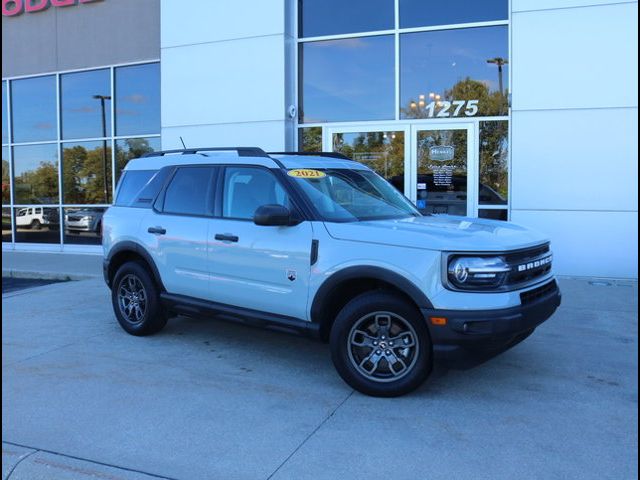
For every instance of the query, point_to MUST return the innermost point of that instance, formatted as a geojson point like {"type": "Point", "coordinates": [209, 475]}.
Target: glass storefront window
{"type": "Point", "coordinates": [35, 172]}
{"type": "Point", "coordinates": [86, 173]}
{"type": "Point", "coordinates": [137, 107]}
{"type": "Point", "coordinates": [133, 148]}
{"type": "Point", "coordinates": [83, 96]}
{"type": "Point", "coordinates": [5, 123]}
{"type": "Point", "coordinates": [422, 13]}
{"type": "Point", "coordinates": [83, 225]}
{"type": "Point", "coordinates": [494, 163]}
{"type": "Point", "coordinates": [6, 224]}
{"type": "Point", "coordinates": [310, 139]}
{"type": "Point", "coordinates": [334, 17]}
{"type": "Point", "coordinates": [37, 224]}
{"type": "Point", "coordinates": [33, 109]}
{"type": "Point", "coordinates": [60, 174]}
{"type": "Point", "coordinates": [383, 152]}
{"type": "Point", "coordinates": [454, 73]}
{"type": "Point", "coordinates": [347, 80]}
{"type": "Point", "coordinates": [6, 187]}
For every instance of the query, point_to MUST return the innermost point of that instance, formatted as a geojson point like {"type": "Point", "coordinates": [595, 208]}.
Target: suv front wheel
{"type": "Point", "coordinates": [136, 300]}
{"type": "Point", "coordinates": [380, 345]}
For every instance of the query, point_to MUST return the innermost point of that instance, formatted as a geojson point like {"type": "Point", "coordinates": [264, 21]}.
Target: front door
{"type": "Point", "coordinates": [383, 148]}
{"type": "Point", "coordinates": [442, 169]}
{"type": "Point", "coordinates": [252, 266]}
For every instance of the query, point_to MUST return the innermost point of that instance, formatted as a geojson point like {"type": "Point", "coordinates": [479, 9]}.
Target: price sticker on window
{"type": "Point", "coordinates": [306, 173]}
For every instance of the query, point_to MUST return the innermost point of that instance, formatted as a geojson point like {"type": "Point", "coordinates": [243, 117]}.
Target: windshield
{"type": "Point", "coordinates": [342, 195]}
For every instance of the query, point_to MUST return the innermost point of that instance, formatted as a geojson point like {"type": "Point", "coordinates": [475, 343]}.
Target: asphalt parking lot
{"type": "Point", "coordinates": [214, 400]}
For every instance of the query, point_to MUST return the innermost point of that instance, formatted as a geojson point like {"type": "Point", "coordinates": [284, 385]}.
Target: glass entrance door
{"type": "Point", "coordinates": [442, 170]}
{"type": "Point", "coordinates": [382, 148]}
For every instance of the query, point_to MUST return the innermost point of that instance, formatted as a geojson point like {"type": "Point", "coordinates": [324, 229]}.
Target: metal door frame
{"type": "Point", "coordinates": [472, 160]}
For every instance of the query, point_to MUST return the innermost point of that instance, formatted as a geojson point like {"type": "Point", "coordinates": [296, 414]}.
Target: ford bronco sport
{"type": "Point", "coordinates": [320, 244]}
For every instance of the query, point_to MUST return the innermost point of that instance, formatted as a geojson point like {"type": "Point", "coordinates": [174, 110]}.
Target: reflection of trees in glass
{"type": "Point", "coordinates": [83, 175]}
{"type": "Point", "coordinates": [133, 148]}
{"type": "Point", "coordinates": [489, 103]}
{"type": "Point", "coordinates": [5, 182]}
{"type": "Point", "coordinates": [494, 159]}
{"type": "Point", "coordinates": [37, 186]}
{"type": "Point", "coordinates": [381, 151]}
{"type": "Point", "coordinates": [310, 139]}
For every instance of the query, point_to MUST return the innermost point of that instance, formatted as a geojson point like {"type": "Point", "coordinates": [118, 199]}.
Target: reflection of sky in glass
{"type": "Point", "coordinates": [34, 109]}
{"type": "Point", "coordinates": [422, 13]}
{"type": "Point", "coordinates": [81, 113]}
{"type": "Point", "coordinates": [138, 99]}
{"type": "Point", "coordinates": [436, 61]}
{"type": "Point", "coordinates": [5, 127]}
{"type": "Point", "coordinates": [332, 17]}
{"type": "Point", "coordinates": [29, 157]}
{"type": "Point", "coordinates": [351, 79]}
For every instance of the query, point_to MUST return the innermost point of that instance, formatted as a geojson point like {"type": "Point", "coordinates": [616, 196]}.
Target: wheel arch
{"type": "Point", "coordinates": [344, 285]}
{"type": "Point", "coordinates": [130, 251]}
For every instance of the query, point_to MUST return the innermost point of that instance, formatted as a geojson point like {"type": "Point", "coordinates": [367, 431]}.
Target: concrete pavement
{"type": "Point", "coordinates": [207, 399]}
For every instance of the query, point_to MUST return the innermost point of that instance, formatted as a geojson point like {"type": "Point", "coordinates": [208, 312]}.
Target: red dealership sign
{"type": "Point", "coordinates": [11, 8]}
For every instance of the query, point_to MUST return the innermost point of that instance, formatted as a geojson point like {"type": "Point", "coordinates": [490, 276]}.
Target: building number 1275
{"type": "Point", "coordinates": [452, 109]}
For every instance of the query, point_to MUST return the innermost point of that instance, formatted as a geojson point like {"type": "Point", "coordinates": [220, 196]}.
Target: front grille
{"type": "Point", "coordinates": [537, 293]}
{"type": "Point", "coordinates": [74, 219]}
{"type": "Point", "coordinates": [528, 265]}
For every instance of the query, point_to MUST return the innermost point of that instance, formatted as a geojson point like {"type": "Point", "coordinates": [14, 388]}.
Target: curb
{"type": "Point", "coordinates": [39, 275]}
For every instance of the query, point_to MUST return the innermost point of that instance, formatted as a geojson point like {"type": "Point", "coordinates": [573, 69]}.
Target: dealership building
{"type": "Point", "coordinates": [514, 110]}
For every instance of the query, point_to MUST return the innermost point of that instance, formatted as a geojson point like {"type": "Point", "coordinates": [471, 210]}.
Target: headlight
{"type": "Point", "coordinates": [87, 218]}
{"type": "Point", "coordinates": [473, 273]}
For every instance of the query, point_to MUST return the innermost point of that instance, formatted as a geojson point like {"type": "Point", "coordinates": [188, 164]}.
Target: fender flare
{"type": "Point", "coordinates": [129, 246]}
{"type": "Point", "coordinates": [370, 272]}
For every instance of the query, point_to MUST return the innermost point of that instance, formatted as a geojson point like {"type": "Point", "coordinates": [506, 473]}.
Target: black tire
{"type": "Point", "coordinates": [35, 225]}
{"type": "Point", "coordinates": [153, 318]}
{"type": "Point", "coordinates": [404, 317]}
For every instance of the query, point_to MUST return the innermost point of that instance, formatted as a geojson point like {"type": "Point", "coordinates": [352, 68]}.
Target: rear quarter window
{"type": "Point", "coordinates": [138, 188]}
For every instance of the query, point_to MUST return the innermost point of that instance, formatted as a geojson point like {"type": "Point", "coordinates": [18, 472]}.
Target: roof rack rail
{"type": "Point", "coordinates": [242, 151]}
{"type": "Point", "coordinates": [316, 154]}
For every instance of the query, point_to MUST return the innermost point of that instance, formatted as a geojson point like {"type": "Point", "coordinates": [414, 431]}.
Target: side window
{"type": "Point", "coordinates": [131, 184]}
{"type": "Point", "coordinates": [138, 188]}
{"type": "Point", "coordinates": [247, 188]}
{"type": "Point", "coordinates": [190, 192]}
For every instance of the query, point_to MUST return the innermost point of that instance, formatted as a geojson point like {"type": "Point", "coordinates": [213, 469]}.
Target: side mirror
{"type": "Point", "coordinates": [274, 216]}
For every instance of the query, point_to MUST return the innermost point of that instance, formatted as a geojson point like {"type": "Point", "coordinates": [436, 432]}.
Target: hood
{"type": "Point", "coordinates": [439, 232]}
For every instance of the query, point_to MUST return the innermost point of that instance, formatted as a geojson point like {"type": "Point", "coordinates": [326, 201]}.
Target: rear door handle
{"type": "Point", "coordinates": [156, 230]}
{"type": "Point", "coordinates": [225, 237]}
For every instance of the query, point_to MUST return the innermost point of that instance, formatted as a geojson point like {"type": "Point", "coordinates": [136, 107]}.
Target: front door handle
{"type": "Point", "coordinates": [156, 230]}
{"type": "Point", "coordinates": [225, 237]}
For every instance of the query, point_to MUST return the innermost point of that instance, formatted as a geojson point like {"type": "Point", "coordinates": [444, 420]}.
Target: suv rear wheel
{"type": "Point", "coordinates": [136, 300]}
{"type": "Point", "coordinates": [380, 345]}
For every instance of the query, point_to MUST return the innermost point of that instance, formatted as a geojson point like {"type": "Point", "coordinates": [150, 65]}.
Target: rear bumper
{"type": "Point", "coordinates": [481, 333]}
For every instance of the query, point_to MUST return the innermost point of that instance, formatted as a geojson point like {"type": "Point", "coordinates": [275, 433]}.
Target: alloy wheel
{"type": "Point", "coordinates": [383, 346]}
{"type": "Point", "coordinates": [132, 299]}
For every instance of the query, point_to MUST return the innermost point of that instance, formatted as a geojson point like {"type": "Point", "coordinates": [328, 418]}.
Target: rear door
{"type": "Point", "coordinates": [257, 267]}
{"type": "Point", "coordinates": [176, 230]}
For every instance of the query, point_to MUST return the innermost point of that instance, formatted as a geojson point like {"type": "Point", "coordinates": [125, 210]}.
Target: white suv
{"type": "Point", "coordinates": [320, 244]}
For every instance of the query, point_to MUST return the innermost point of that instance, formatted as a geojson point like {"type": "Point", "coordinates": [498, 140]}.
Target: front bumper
{"type": "Point", "coordinates": [484, 333]}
